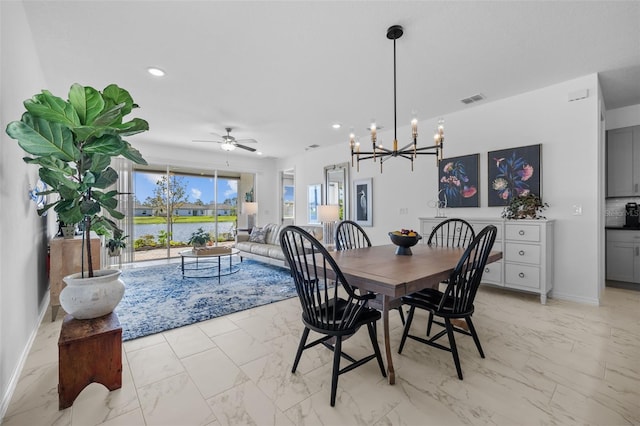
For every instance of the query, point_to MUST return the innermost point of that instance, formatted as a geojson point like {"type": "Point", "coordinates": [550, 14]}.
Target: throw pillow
{"type": "Point", "coordinates": [258, 235]}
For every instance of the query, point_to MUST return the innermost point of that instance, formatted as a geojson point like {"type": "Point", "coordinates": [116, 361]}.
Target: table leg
{"type": "Point", "coordinates": [391, 373]}
{"type": "Point", "coordinates": [219, 263]}
{"type": "Point", "coordinates": [182, 267]}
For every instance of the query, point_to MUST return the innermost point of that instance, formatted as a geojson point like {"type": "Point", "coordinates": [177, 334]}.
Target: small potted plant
{"type": "Point", "coordinates": [525, 207]}
{"type": "Point", "coordinates": [199, 238]}
{"type": "Point", "coordinates": [116, 243]}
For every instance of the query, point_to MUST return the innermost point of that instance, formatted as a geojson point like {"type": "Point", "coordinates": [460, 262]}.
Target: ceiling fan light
{"type": "Point", "coordinates": [227, 146]}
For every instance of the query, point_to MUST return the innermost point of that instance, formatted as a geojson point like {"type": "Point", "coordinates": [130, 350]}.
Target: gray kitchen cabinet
{"type": "Point", "coordinates": [623, 255]}
{"type": "Point", "coordinates": [623, 162]}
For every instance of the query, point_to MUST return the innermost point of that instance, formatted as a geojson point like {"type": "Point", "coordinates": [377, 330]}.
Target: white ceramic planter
{"type": "Point", "coordinates": [86, 298]}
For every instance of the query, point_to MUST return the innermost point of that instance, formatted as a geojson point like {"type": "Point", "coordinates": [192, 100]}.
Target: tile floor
{"type": "Point", "coordinates": [563, 363]}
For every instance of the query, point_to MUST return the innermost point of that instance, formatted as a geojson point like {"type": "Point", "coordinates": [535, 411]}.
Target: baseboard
{"type": "Point", "coordinates": [577, 299]}
{"type": "Point", "coordinates": [15, 376]}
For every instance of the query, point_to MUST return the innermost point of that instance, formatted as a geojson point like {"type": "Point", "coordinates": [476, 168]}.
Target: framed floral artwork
{"type": "Point", "coordinates": [458, 181]}
{"type": "Point", "coordinates": [514, 172]}
{"type": "Point", "coordinates": [362, 202]}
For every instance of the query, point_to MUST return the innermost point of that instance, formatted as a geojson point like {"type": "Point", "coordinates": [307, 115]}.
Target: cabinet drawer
{"type": "Point", "coordinates": [522, 276]}
{"type": "Point", "coordinates": [522, 232]}
{"type": "Point", "coordinates": [492, 273]}
{"type": "Point", "coordinates": [623, 236]}
{"type": "Point", "coordinates": [525, 253]}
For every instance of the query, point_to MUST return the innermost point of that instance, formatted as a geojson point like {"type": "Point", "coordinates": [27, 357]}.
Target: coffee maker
{"type": "Point", "coordinates": [631, 217]}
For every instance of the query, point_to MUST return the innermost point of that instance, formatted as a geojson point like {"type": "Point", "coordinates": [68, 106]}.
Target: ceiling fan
{"type": "Point", "coordinates": [229, 143]}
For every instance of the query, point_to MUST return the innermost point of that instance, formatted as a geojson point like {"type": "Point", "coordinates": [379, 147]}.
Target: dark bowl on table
{"type": "Point", "coordinates": [404, 242]}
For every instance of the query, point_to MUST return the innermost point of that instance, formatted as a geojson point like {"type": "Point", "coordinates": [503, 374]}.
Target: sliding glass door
{"type": "Point", "coordinates": [171, 204]}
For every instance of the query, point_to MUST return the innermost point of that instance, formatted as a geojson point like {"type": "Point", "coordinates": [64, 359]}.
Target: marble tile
{"type": "Point", "coordinates": [174, 401]}
{"type": "Point", "coordinates": [131, 418]}
{"type": "Point", "coordinates": [246, 404]}
{"type": "Point", "coordinates": [557, 364]}
{"type": "Point", "coordinates": [153, 363]}
{"type": "Point", "coordinates": [36, 390]}
{"type": "Point", "coordinates": [241, 346]}
{"type": "Point", "coordinates": [213, 372]}
{"type": "Point", "coordinates": [188, 340]}
{"type": "Point", "coordinates": [96, 404]}
{"type": "Point", "coordinates": [217, 326]}
{"type": "Point", "coordinates": [272, 374]}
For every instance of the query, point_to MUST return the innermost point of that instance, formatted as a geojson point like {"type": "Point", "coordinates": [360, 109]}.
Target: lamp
{"type": "Point", "coordinates": [409, 151]}
{"type": "Point", "coordinates": [227, 146]}
{"type": "Point", "coordinates": [250, 209]}
{"type": "Point", "coordinates": [328, 214]}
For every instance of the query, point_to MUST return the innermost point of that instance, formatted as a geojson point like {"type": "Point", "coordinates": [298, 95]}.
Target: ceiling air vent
{"type": "Point", "coordinates": [471, 99]}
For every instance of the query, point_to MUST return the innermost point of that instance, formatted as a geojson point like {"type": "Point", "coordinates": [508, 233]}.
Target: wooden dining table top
{"type": "Point", "coordinates": [380, 270]}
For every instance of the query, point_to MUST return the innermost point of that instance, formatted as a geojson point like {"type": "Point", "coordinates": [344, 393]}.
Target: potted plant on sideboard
{"type": "Point", "coordinates": [73, 141]}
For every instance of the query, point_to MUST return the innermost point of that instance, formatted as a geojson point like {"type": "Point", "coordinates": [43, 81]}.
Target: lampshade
{"type": "Point", "coordinates": [250, 207]}
{"type": "Point", "coordinates": [328, 213]}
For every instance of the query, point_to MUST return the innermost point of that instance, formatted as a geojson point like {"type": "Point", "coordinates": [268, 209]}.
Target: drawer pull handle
{"type": "Point", "coordinates": [486, 270]}
{"type": "Point", "coordinates": [521, 232]}
{"type": "Point", "coordinates": [521, 274]}
{"type": "Point", "coordinates": [521, 252]}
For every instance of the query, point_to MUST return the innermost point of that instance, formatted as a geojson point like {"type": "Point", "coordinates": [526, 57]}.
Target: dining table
{"type": "Point", "coordinates": [379, 270]}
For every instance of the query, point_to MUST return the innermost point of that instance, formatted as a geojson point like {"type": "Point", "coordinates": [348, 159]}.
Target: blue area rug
{"type": "Point", "coordinates": [158, 298]}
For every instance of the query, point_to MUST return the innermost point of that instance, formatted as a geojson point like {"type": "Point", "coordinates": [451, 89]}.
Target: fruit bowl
{"type": "Point", "coordinates": [404, 239]}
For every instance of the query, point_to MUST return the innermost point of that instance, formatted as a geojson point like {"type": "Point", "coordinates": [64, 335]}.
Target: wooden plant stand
{"type": "Point", "coordinates": [89, 351]}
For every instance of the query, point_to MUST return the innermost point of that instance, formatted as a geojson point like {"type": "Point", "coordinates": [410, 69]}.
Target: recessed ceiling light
{"type": "Point", "coordinates": [336, 125]}
{"type": "Point", "coordinates": [258, 152]}
{"type": "Point", "coordinates": [155, 71]}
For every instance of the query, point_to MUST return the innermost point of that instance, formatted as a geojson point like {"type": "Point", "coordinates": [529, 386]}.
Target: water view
{"type": "Point", "coordinates": [181, 231]}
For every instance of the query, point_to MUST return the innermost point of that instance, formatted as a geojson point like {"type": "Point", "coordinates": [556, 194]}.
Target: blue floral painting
{"type": "Point", "coordinates": [513, 173]}
{"type": "Point", "coordinates": [458, 179]}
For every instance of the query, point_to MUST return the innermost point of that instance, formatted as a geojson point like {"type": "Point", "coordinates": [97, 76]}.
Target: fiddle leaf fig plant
{"type": "Point", "coordinates": [73, 141]}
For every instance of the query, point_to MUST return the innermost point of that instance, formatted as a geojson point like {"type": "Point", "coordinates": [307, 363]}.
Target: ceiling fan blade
{"type": "Point", "coordinates": [207, 141]}
{"type": "Point", "coordinates": [246, 141]}
{"type": "Point", "coordinates": [248, 148]}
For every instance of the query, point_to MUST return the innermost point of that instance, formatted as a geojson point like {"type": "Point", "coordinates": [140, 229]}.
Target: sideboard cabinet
{"type": "Point", "coordinates": [66, 259]}
{"type": "Point", "coordinates": [527, 253]}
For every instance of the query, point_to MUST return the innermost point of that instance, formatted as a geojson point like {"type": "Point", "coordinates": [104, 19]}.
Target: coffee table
{"type": "Point", "coordinates": [203, 261]}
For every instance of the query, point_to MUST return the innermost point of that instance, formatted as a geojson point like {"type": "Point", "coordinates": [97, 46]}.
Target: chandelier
{"type": "Point", "coordinates": [409, 151]}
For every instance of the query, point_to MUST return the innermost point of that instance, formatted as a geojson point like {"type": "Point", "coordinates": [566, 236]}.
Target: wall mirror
{"type": "Point", "coordinates": [336, 178]}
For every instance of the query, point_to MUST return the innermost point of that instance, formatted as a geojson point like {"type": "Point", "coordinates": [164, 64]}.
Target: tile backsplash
{"type": "Point", "coordinates": [614, 210]}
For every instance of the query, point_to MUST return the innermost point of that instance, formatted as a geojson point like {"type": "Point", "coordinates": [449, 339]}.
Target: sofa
{"type": "Point", "coordinates": [251, 245]}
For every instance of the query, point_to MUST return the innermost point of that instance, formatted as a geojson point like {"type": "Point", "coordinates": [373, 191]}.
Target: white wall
{"type": "Point", "coordinates": [568, 132]}
{"type": "Point", "coordinates": [23, 239]}
{"type": "Point", "coordinates": [623, 117]}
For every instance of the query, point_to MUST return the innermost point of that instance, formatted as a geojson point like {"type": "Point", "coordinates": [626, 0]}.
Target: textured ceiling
{"type": "Point", "coordinates": [283, 72]}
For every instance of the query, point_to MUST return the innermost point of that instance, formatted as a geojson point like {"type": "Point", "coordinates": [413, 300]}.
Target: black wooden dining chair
{"type": "Point", "coordinates": [456, 302]}
{"type": "Point", "coordinates": [330, 306]}
{"type": "Point", "coordinates": [449, 233]}
{"type": "Point", "coordinates": [452, 233]}
{"type": "Point", "coordinates": [350, 235]}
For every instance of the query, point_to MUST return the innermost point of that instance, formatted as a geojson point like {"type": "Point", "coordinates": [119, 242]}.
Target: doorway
{"type": "Point", "coordinates": [287, 197]}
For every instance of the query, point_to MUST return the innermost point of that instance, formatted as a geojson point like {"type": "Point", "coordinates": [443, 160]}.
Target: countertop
{"type": "Point", "coordinates": [622, 228]}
